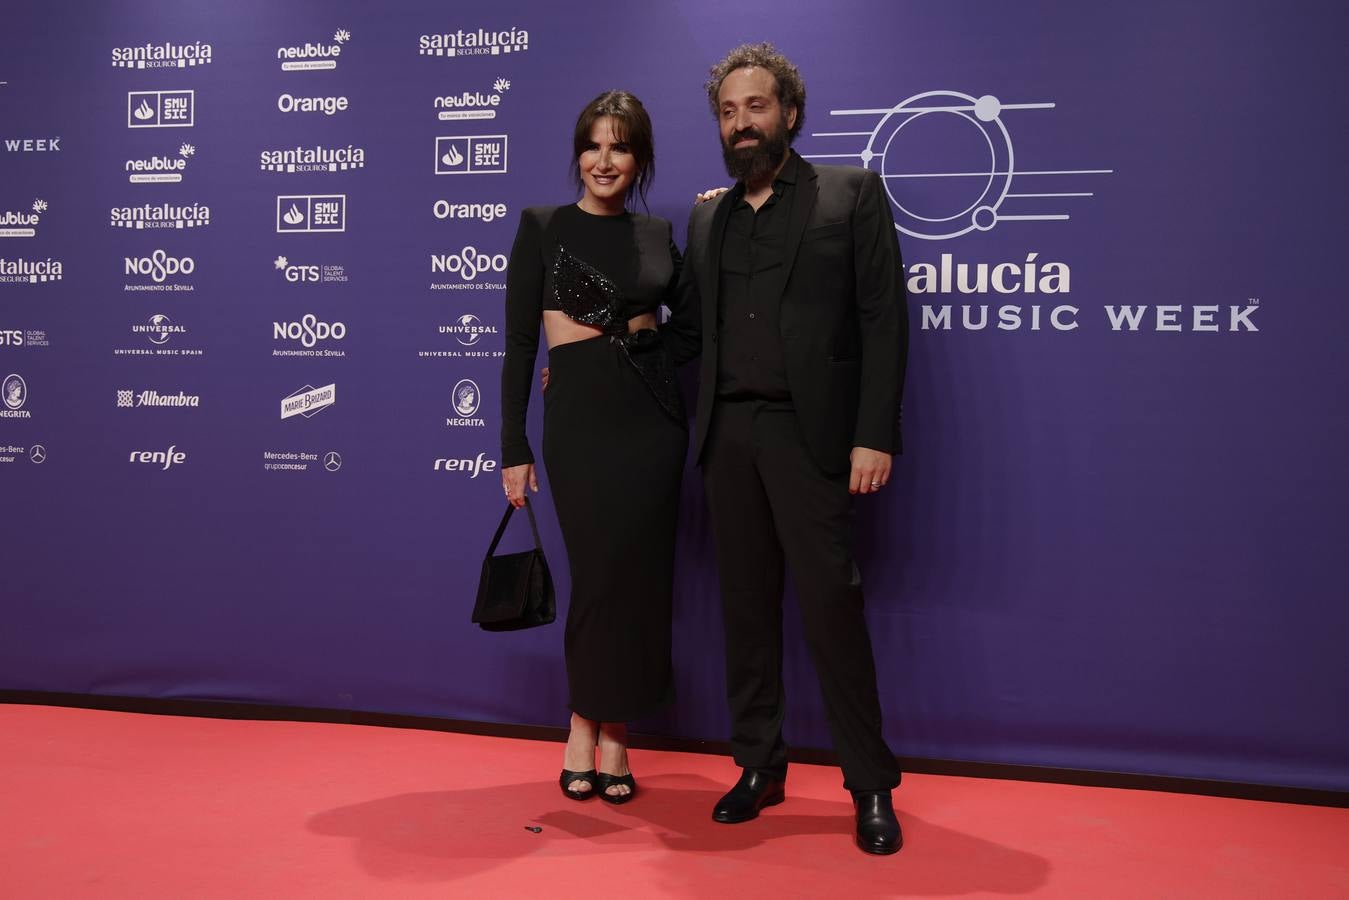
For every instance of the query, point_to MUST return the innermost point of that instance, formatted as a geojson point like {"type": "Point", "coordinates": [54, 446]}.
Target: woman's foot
{"type": "Point", "coordinates": [613, 743]}
{"type": "Point", "coordinates": [580, 753]}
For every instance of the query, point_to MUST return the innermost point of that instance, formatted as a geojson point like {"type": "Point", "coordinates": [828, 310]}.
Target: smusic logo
{"type": "Point", "coordinates": [163, 215]}
{"type": "Point", "coordinates": [160, 109]}
{"type": "Point", "coordinates": [301, 213]}
{"type": "Point", "coordinates": [162, 56]}
{"type": "Point", "coordinates": [313, 57]}
{"type": "Point", "coordinates": [22, 224]}
{"type": "Point", "coordinates": [160, 169]}
{"type": "Point", "coordinates": [312, 159]}
{"type": "Point", "coordinates": [482, 154]}
{"type": "Point", "coordinates": [480, 42]}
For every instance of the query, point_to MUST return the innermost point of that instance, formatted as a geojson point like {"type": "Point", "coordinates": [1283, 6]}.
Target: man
{"type": "Point", "coordinates": [796, 273]}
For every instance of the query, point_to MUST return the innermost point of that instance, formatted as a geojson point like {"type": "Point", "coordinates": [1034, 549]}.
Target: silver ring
{"type": "Point", "coordinates": [875, 484]}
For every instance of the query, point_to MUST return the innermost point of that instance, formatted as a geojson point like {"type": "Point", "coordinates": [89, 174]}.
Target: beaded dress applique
{"type": "Point", "coordinates": [587, 295]}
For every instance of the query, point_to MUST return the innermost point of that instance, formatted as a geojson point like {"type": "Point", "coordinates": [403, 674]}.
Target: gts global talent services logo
{"type": "Point", "coordinates": [160, 109]}
{"type": "Point", "coordinates": [309, 57]}
{"type": "Point", "coordinates": [22, 223]}
{"type": "Point", "coordinates": [302, 213]}
{"type": "Point", "coordinates": [162, 56]}
{"type": "Point", "coordinates": [478, 42]}
{"type": "Point", "coordinates": [150, 216]}
{"type": "Point", "coordinates": [318, 158]}
{"type": "Point", "coordinates": [159, 169]}
{"type": "Point", "coordinates": [471, 104]}
{"type": "Point", "coordinates": [297, 273]}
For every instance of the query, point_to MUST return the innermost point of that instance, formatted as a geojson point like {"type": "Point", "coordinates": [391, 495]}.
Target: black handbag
{"type": "Point", "coordinates": [515, 590]}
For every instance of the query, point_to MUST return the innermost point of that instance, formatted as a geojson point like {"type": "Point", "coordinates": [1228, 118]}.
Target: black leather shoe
{"type": "Point", "coordinates": [751, 793]}
{"type": "Point", "coordinates": [877, 828]}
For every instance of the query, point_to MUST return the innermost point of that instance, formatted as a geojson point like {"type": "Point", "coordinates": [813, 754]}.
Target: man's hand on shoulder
{"type": "Point", "coordinates": [870, 470]}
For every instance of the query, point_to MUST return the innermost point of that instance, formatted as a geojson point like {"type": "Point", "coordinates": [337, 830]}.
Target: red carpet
{"type": "Point", "coordinates": [97, 804]}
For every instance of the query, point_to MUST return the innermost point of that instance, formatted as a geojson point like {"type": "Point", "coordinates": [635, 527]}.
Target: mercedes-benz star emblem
{"type": "Point", "coordinates": [38, 454]}
{"type": "Point", "coordinates": [332, 461]}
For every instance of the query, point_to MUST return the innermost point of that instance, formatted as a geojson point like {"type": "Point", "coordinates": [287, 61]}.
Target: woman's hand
{"type": "Point", "coordinates": [709, 194]}
{"type": "Point", "coordinates": [543, 378]}
{"type": "Point", "coordinates": [514, 479]}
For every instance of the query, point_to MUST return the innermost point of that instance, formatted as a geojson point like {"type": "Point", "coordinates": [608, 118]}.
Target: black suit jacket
{"type": "Point", "coordinates": [843, 315]}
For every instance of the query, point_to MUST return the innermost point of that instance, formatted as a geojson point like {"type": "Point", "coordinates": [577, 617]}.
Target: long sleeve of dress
{"type": "Point", "coordinates": [681, 332]}
{"type": "Point", "coordinates": [524, 311]}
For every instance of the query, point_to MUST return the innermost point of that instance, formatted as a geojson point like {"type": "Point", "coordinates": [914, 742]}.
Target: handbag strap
{"type": "Point", "coordinates": [501, 529]}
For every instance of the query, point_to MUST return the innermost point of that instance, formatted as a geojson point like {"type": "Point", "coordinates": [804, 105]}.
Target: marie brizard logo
{"type": "Point", "coordinates": [160, 109]}
{"type": "Point", "coordinates": [308, 401]}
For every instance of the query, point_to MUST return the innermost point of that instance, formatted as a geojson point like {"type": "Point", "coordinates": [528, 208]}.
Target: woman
{"type": "Point", "coordinates": [595, 273]}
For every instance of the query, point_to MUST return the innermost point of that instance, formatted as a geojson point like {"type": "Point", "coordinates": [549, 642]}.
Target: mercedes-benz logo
{"type": "Point", "coordinates": [38, 454]}
{"type": "Point", "coordinates": [332, 461]}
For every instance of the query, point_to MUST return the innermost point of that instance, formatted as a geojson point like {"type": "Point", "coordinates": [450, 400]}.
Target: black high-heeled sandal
{"type": "Point", "coordinates": [568, 778]}
{"type": "Point", "coordinates": [606, 781]}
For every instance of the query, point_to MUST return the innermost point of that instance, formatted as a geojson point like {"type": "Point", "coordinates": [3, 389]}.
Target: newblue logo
{"type": "Point", "coordinates": [471, 104]}
{"type": "Point", "coordinates": [22, 224]}
{"type": "Point", "coordinates": [159, 169]}
{"type": "Point", "coordinates": [302, 213]}
{"type": "Point", "coordinates": [160, 109]}
{"type": "Point", "coordinates": [478, 154]}
{"type": "Point", "coordinates": [312, 57]}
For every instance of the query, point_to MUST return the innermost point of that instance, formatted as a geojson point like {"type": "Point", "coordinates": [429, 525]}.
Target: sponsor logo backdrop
{"type": "Point", "coordinates": [1113, 542]}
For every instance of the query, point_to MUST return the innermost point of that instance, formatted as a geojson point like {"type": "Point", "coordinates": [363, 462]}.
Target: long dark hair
{"type": "Point", "coordinates": [632, 126]}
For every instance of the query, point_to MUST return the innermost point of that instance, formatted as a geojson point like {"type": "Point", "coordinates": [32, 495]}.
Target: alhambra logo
{"type": "Point", "coordinates": [312, 159]}
{"type": "Point", "coordinates": [29, 271]}
{"type": "Point", "coordinates": [162, 56]}
{"type": "Point", "coordinates": [160, 169]}
{"type": "Point", "coordinates": [161, 109]}
{"type": "Point", "coordinates": [134, 399]}
{"type": "Point", "coordinates": [313, 57]}
{"type": "Point", "coordinates": [471, 104]}
{"type": "Point", "coordinates": [478, 42]}
{"type": "Point", "coordinates": [164, 215]}
{"type": "Point", "coordinates": [22, 223]}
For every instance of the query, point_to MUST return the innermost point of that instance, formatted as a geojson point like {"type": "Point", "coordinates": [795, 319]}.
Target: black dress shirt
{"type": "Point", "coordinates": [750, 364]}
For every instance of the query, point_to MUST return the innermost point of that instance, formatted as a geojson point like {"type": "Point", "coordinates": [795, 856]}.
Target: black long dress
{"type": "Point", "coordinates": [614, 440]}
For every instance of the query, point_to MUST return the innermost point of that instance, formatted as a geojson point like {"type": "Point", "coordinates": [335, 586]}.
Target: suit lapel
{"type": "Point", "coordinates": [803, 204]}
{"type": "Point", "coordinates": [711, 287]}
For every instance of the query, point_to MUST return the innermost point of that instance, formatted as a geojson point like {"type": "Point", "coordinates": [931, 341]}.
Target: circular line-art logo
{"type": "Point", "coordinates": [466, 398]}
{"type": "Point", "coordinates": [914, 120]}
{"type": "Point", "coordinates": [38, 454]}
{"type": "Point", "coordinates": [332, 461]}
{"type": "Point", "coordinates": [159, 328]}
{"type": "Point", "coordinates": [15, 391]}
{"type": "Point", "coordinates": [469, 333]}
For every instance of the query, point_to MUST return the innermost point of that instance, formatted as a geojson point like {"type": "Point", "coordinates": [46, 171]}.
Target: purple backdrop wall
{"type": "Point", "coordinates": [1107, 547]}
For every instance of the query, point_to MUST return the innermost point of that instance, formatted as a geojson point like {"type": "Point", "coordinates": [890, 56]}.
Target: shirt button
{"type": "Point", "coordinates": [751, 315]}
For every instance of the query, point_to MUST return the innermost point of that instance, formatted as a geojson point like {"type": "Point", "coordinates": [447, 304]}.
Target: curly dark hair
{"type": "Point", "coordinates": [791, 89]}
{"type": "Point", "coordinates": [632, 125]}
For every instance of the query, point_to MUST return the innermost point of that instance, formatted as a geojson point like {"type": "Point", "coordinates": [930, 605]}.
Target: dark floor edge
{"type": "Point", "coordinates": [222, 709]}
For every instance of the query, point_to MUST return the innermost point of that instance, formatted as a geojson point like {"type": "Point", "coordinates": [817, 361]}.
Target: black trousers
{"type": "Point", "coordinates": [770, 502]}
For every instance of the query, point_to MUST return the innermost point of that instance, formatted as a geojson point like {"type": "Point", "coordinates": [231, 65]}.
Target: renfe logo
{"type": "Point", "coordinates": [165, 458]}
{"type": "Point", "coordinates": [299, 213]}
{"type": "Point", "coordinates": [472, 466]}
{"type": "Point", "coordinates": [471, 154]}
{"type": "Point", "coordinates": [160, 109]}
